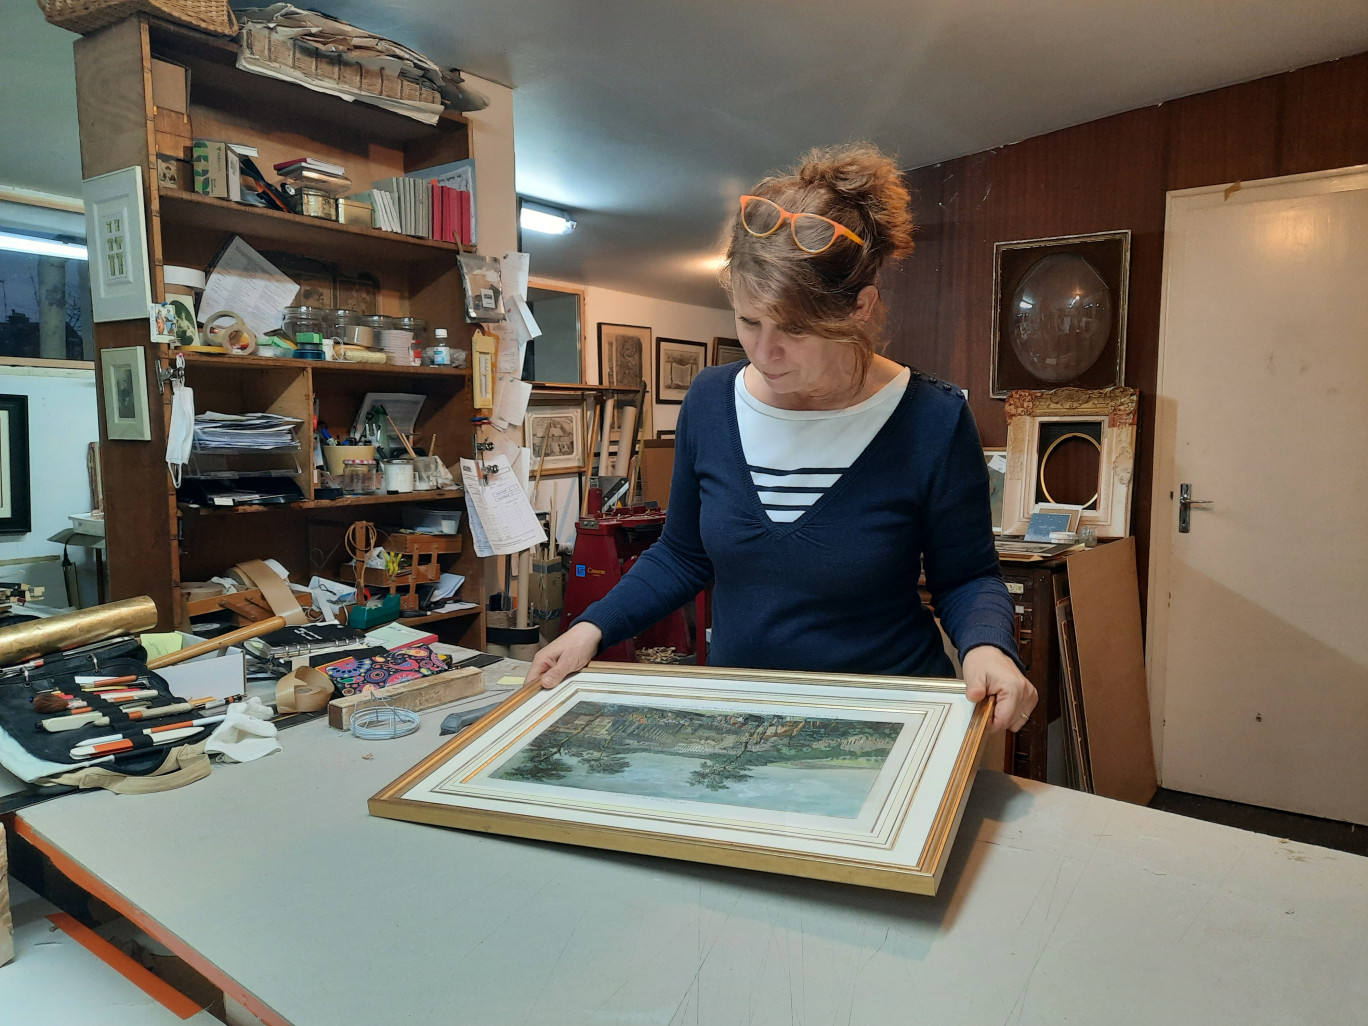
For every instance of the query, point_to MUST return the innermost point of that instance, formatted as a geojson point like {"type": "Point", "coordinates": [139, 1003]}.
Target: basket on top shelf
{"type": "Point", "coordinates": [85, 16]}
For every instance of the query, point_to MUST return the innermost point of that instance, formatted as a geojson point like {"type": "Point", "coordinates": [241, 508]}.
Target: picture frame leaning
{"type": "Point", "coordinates": [16, 506]}
{"type": "Point", "coordinates": [558, 433]}
{"type": "Point", "coordinates": [829, 776]}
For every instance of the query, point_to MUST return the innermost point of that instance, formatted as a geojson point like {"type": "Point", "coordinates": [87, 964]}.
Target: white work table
{"type": "Point", "coordinates": [1057, 907]}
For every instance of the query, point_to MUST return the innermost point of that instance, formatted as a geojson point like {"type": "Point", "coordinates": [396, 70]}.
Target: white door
{"type": "Point", "coordinates": [1258, 625]}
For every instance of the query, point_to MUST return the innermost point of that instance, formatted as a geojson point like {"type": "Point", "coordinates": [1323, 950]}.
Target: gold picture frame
{"type": "Point", "coordinates": [862, 779]}
{"type": "Point", "coordinates": [1109, 413]}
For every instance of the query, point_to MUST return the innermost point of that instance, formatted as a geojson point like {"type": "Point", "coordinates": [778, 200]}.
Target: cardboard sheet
{"type": "Point", "coordinates": [1111, 661]}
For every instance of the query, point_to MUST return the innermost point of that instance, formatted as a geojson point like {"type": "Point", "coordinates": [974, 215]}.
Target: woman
{"type": "Point", "coordinates": [812, 482]}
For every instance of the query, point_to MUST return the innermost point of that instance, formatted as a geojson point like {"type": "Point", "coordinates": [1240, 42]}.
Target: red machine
{"type": "Point", "coordinates": [606, 546]}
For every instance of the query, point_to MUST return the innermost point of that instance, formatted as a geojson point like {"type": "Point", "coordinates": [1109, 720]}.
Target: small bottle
{"type": "Point", "coordinates": [440, 354]}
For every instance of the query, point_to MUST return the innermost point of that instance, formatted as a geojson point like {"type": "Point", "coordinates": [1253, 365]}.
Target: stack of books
{"type": "Point", "coordinates": [312, 173]}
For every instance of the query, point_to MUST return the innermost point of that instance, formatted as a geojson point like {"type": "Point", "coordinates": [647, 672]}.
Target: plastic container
{"type": "Point", "coordinates": [431, 521]}
{"type": "Point", "coordinates": [309, 346]}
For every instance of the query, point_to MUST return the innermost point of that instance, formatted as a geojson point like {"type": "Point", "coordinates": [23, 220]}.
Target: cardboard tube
{"type": "Point", "coordinates": [625, 436]}
{"type": "Point", "coordinates": [524, 585]}
{"type": "Point", "coordinates": [68, 630]}
{"type": "Point", "coordinates": [607, 434]}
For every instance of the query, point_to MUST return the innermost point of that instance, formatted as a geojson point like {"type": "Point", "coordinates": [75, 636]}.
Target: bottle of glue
{"type": "Point", "coordinates": [440, 354]}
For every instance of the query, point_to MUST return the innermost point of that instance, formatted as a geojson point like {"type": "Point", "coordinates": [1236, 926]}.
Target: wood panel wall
{"type": "Point", "coordinates": [1104, 175]}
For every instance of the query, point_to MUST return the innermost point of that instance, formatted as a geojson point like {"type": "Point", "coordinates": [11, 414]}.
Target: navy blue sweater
{"type": "Point", "coordinates": [836, 590]}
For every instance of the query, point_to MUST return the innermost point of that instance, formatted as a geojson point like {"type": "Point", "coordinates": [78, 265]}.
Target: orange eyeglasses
{"type": "Point", "coordinates": [812, 233]}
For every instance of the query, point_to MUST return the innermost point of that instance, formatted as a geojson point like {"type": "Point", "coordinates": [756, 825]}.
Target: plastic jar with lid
{"type": "Point", "coordinates": [417, 329]}
{"type": "Point", "coordinates": [297, 319]}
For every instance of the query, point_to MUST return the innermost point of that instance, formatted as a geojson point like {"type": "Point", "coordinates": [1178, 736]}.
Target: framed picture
{"type": "Point", "coordinates": [830, 776]}
{"type": "Point", "coordinates": [1059, 312]}
{"type": "Point", "coordinates": [116, 237]}
{"type": "Point", "coordinates": [624, 355]}
{"type": "Point", "coordinates": [1071, 446]}
{"type": "Point", "coordinates": [556, 437]}
{"type": "Point", "coordinates": [996, 459]}
{"type": "Point", "coordinates": [16, 508]}
{"type": "Point", "coordinates": [124, 377]}
{"type": "Point", "coordinates": [677, 364]}
{"type": "Point", "coordinates": [726, 350]}
{"type": "Point", "coordinates": [666, 434]}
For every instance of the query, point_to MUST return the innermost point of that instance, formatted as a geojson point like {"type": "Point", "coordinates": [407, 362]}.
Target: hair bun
{"type": "Point", "coordinates": [868, 179]}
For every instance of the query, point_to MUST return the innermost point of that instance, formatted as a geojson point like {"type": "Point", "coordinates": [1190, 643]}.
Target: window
{"type": "Point", "coordinates": [44, 285]}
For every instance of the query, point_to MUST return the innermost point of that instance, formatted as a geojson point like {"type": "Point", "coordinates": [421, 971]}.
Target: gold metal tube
{"type": "Point", "coordinates": [36, 638]}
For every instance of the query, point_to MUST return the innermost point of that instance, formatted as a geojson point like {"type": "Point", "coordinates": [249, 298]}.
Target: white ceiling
{"type": "Point", "coordinates": [647, 119]}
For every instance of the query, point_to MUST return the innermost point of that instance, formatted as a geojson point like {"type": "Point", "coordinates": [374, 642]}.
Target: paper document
{"type": "Point", "coordinates": [510, 401]}
{"type": "Point", "coordinates": [402, 407]}
{"type": "Point", "coordinates": [245, 283]}
{"type": "Point", "coordinates": [502, 521]}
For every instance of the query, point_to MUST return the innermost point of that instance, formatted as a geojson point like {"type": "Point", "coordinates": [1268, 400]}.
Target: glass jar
{"type": "Point", "coordinates": [360, 477]}
{"type": "Point", "coordinates": [417, 332]}
{"type": "Point", "coordinates": [368, 328]}
{"type": "Point", "coordinates": [336, 324]}
{"type": "Point", "coordinates": [297, 319]}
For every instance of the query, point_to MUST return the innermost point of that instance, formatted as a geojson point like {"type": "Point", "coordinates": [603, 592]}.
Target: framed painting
{"type": "Point", "coordinates": [726, 350]}
{"type": "Point", "coordinates": [16, 507]}
{"type": "Point", "coordinates": [830, 776]}
{"type": "Point", "coordinates": [678, 362]}
{"type": "Point", "coordinates": [1059, 312]}
{"type": "Point", "coordinates": [116, 236]}
{"type": "Point", "coordinates": [624, 355]}
{"type": "Point", "coordinates": [996, 459]}
{"type": "Point", "coordinates": [124, 377]}
{"type": "Point", "coordinates": [556, 437]}
{"type": "Point", "coordinates": [1072, 447]}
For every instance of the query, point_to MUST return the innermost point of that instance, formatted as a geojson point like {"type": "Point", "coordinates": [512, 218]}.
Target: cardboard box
{"type": "Point", "coordinates": [217, 171]}
{"type": "Point", "coordinates": [171, 96]}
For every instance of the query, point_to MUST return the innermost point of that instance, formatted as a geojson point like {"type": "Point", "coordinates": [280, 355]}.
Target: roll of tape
{"type": "Point", "coordinates": [304, 690]}
{"type": "Point", "coordinates": [235, 338]}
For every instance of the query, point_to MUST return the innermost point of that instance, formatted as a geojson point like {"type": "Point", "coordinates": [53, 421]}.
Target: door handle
{"type": "Point", "coordinates": [1185, 504]}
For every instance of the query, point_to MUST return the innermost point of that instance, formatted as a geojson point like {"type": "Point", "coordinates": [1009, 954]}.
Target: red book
{"type": "Point", "coordinates": [463, 198]}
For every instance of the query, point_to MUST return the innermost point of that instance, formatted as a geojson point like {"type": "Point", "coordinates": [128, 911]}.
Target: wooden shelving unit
{"type": "Point", "coordinates": [154, 544]}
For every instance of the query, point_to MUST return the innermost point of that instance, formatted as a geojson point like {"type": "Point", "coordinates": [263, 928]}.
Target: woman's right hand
{"type": "Point", "coordinates": [567, 654]}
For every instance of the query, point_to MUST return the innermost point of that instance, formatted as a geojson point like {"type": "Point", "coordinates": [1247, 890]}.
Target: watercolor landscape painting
{"type": "Point", "coordinates": [782, 763]}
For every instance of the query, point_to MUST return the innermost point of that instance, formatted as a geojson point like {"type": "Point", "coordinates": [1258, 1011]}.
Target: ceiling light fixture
{"type": "Point", "coordinates": [536, 217]}
{"type": "Point", "coordinates": [42, 247]}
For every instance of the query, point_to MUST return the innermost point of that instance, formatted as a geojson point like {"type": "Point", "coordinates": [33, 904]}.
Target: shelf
{"type": "Point", "coordinates": [449, 495]}
{"type": "Point", "coordinates": [215, 79]}
{"type": "Point", "coordinates": [280, 363]}
{"type": "Point", "coordinates": [415, 621]}
{"type": "Point", "coordinates": [191, 210]}
{"type": "Point", "coordinates": [554, 386]}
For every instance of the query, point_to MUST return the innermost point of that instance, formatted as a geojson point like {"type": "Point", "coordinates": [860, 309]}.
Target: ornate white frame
{"type": "Point", "coordinates": [1116, 409]}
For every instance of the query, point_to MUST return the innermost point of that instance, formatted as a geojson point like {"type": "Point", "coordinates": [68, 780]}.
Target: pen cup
{"type": "Point", "coordinates": [425, 475]}
{"type": "Point", "coordinates": [334, 455]}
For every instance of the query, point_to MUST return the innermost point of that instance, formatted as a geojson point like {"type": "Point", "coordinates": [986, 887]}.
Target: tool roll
{"type": "Point", "coordinates": [45, 658]}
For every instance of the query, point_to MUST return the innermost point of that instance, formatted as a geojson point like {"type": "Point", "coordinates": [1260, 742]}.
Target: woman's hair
{"type": "Point", "coordinates": [815, 293]}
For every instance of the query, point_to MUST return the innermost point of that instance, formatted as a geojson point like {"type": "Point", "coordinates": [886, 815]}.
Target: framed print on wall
{"type": "Point", "coordinates": [124, 377]}
{"type": "Point", "coordinates": [1059, 312]}
{"type": "Point", "coordinates": [16, 509]}
{"type": "Point", "coordinates": [556, 437]}
{"type": "Point", "coordinates": [116, 237]}
{"type": "Point", "coordinates": [829, 776]}
{"type": "Point", "coordinates": [624, 355]}
{"type": "Point", "coordinates": [678, 362]}
{"type": "Point", "coordinates": [726, 350]}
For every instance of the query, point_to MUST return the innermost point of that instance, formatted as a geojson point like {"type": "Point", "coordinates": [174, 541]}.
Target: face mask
{"type": "Point", "coordinates": [181, 434]}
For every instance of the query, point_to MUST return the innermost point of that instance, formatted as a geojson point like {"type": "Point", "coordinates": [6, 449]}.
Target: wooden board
{"type": "Point", "coordinates": [6, 922]}
{"type": "Point", "coordinates": [1111, 664]}
{"type": "Point", "coordinates": [425, 693]}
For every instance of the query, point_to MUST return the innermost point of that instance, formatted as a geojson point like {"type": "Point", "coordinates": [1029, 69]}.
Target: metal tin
{"type": "Point", "coordinates": [313, 203]}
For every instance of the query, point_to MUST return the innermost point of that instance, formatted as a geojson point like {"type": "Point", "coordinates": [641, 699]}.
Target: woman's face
{"type": "Point", "coordinates": [795, 371]}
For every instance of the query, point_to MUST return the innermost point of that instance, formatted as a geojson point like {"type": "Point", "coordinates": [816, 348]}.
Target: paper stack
{"type": "Point", "coordinates": [237, 432]}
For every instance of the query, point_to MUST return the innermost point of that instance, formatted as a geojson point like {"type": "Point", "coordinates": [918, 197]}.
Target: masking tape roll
{"type": "Point", "coordinates": [236, 338]}
{"type": "Point", "coordinates": [304, 690]}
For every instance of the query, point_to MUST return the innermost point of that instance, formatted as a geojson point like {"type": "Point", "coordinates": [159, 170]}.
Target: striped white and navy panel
{"type": "Point", "coordinates": [787, 494]}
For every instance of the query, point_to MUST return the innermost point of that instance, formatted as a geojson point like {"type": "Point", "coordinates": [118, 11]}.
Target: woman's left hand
{"type": "Point", "coordinates": [989, 671]}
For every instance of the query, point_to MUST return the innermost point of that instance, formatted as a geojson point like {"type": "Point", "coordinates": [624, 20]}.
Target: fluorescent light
{"type": "Point", "coordinates": [42, 247]}
{"type": "Point", "coordinates": [536, 218]}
